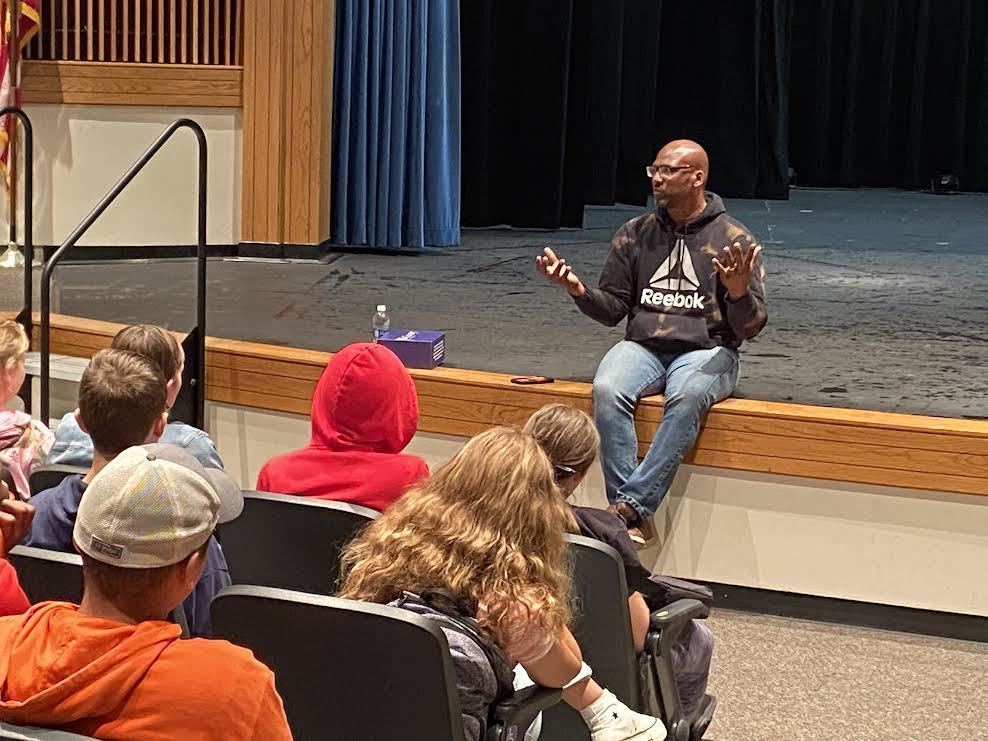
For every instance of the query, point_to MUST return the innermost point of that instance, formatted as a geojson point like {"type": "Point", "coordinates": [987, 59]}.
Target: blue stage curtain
{"type": "Point", "coordinates": [396, 123]}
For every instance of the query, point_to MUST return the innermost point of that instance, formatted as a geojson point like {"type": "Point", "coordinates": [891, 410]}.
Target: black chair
{"type": "Point", "coordinates": [358, 671]}
{"type": "Point", "coordinates": [47, 575]}
{"type": "Point", "coordinates": [31, 733]}
{"type": "Point", "coordinates": [602, 627]}
{"type": "Point", "coordinates": [52, 575]}
{"type": "Point", "coordinates": [47, 477]}
{"type": "Point", "coordinates": [290, 542]}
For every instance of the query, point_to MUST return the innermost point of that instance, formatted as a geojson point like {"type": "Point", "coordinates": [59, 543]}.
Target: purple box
{"type": "Point", "coordinates": [416, 349]}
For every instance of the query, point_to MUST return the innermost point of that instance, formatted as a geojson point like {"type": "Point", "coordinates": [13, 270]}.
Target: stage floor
{"type": "Point", "coordinates": [877, 299]}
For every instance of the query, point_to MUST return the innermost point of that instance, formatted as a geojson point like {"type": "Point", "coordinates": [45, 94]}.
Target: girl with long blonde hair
{"type": "Point", "coordinates": [570, 439]}
{"type": "Point", "coordinates": [488, 528]}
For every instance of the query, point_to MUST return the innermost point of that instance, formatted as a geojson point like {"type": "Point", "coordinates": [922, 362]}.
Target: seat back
{"type": "Point", "coordinates": [47, 575]}
{"type": "Point", "coordinates": [290, 542]}
{"type": "Point", "coordinates": [602, 628]}
{"type": "Point", "coordinates": [49, 476]}
{"type": "Point", "coordinates": [31, 733]}
{"type": "Point", "coordinates": [346, 670]}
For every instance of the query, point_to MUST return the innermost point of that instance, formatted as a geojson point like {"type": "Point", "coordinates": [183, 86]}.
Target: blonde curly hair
{"type": "Point", "coordinates": [488, 526]}
{"type": "Point", "coordinates": [13, 343]}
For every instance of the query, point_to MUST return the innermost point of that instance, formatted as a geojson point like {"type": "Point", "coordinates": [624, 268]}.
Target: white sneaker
{"type": "Point", "coordinates": [609, 719]}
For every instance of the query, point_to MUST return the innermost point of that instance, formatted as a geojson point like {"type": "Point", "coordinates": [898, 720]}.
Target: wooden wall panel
{"type": "Point", "coordinates": [109, 83]}
{"type": "Point", "coordinates": [288, 60]}
{"type": "Point", "coordinates": [836, 444]}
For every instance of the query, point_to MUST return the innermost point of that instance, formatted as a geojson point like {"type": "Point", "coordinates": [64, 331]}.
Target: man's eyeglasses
{"type": "Point", "coordinates": [665, 170]}
{"type": "Point", "coordinates": [563, 471]}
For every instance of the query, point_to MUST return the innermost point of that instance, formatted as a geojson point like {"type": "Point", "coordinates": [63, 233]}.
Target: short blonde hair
{"type": "Point", "coordinates": [13, 343]}
{"type": "Point", "coordinates": [487, 526]}
{"type": "Point", "coordinates": [567, 435]}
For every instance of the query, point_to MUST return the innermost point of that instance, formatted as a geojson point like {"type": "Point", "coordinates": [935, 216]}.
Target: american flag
{"type": "Point", "coordinates": [10, 83]}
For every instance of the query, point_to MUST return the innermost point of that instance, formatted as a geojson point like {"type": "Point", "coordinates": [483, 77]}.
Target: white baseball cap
{"type": "Point", "coordinates": [152, 506]}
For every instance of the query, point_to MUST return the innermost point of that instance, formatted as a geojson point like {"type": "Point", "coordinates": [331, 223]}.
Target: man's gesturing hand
{"type": "Point", "coordinates": [735, 268]}
{"type": "Point", "coordinates": [559, 272]}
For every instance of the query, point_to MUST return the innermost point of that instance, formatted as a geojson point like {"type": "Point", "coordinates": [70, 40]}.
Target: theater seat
{"type": "Point", "coordinates": [47, 575]}
{"type": "Point", "coordinates": [352, 670]}
{"type": "Point", "coordinates": [290, 542]}
{"type": "Point", "coordinates": [602, 627]}
{"type": "Point", "coordinates": [30, 733]}
{"type": "Point", "coordinates": [49, 476]}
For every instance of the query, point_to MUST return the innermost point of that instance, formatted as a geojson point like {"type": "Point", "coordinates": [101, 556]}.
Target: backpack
{"type": "Point", "coordinates": [478, 655]}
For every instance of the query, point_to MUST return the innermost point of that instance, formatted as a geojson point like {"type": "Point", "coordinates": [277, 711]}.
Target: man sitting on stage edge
{"type": "Point", "coordinates": [689, 305]}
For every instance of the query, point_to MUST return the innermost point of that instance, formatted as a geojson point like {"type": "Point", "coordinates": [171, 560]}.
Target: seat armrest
{"type": "Point", "coordinates": [676, 615]}
{"type": "Point", "coordinates": [521, 710]}
{"type": "Point", "coordinates": [666, 624]}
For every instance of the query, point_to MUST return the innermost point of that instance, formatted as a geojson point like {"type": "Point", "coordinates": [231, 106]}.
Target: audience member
{"type": "Point", "coordinates": [73, 446]}
{"type": "Point", "coordinates": [364, 412]}
{"type": "Point", "coordinates": [112, 667]}
{"type": "Point", "coordinates": [15, 521]}
{"type": "Point", "coordinates": [570, 439]}
{"type": "Point", "coordinates": [121, 404]}
{"type": "Point", "coordinates": [487, 529]}
{"type": "Point", "coordinates": [24, 441]}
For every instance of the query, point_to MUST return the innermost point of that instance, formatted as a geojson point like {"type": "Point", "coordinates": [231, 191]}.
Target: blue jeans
{"type": "Point", "coordinates": [692, 383]}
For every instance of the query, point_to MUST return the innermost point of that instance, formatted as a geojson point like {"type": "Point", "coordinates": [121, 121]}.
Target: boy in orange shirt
{"type": "Point", "coordinates": [113, 667]}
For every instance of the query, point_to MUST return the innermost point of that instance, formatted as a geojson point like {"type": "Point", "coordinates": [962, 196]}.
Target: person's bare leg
{"type": "Point", "coordinates": [607, 718]}
{"type": "Point", "coordinates": [640, 617]}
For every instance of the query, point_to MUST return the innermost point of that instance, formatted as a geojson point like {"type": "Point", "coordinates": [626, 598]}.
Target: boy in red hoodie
{"type": "Point", "coordinates": [364, 412]}
{"type": "Point", "coordinates": [114, 667]}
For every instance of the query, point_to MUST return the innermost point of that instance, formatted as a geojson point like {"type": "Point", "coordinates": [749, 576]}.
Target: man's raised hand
{"type": "Point", "coordinates": [557, 271]}
{"type": "Point", "coordinates": [735, 268]}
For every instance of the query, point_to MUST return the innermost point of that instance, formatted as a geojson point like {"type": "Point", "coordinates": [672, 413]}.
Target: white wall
{"type": "Point", "coordinates": [869, 543]}
{"type": "Point", "coordinates": [81, 151]}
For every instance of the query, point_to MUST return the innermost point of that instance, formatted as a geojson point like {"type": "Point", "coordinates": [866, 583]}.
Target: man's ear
{"type": "Point", "coordinates": [78, 421]}
{"type": "Point", "coordinates": [159, 424]}
{"type": "Point", "coordinates": [194, 566]}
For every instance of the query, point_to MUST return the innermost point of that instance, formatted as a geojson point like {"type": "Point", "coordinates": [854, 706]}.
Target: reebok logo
{"type": "Point", "coordinates": [675, 284]}
{"type": "Point", "coordinates": [677, 300]}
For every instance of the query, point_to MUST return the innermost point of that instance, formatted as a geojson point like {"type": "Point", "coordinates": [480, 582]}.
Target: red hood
{"type": "Point", "coordinates": [364, 413]}
{"type": "Point", "coordinates": [365, 401]}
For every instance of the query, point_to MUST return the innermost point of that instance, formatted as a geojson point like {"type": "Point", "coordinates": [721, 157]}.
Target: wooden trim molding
{"type": "Point", "coordinates": [114, 83]}
{"type": "Point", "coordinates": [848, 445]}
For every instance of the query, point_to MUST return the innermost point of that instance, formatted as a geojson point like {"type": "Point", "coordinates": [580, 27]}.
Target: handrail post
{"type": "Point", "coordinates": [200, 391]}
{"type": "Point", "coordinates": [76, 235]}
{"type": "Point", "coordinates": [26, 317]}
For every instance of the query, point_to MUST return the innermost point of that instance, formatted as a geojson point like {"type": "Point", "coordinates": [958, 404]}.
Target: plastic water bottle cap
{"type": "Point", "coordinates": [382, 308]}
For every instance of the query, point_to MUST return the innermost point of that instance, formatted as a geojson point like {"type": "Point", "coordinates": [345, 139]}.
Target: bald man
{"type": "Point", "coordinates": [690, 281]}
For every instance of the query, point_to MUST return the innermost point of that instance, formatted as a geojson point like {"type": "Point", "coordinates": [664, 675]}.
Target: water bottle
{"type": "Point", "coordinates": [381, 322]}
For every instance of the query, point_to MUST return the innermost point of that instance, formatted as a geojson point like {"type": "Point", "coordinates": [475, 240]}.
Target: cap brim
{"type": "Point", "coordinates": [230, 496]}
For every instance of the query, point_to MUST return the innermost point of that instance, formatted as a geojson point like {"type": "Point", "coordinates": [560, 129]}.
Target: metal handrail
{"type": "Point", "coordinates": [26, 318]}
{"type": "Point", "coordinates": [199, 386]}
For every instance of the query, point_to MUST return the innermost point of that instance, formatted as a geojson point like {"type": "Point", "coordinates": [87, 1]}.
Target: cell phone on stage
{"type": "Point", "coordinates": [531, 380]}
